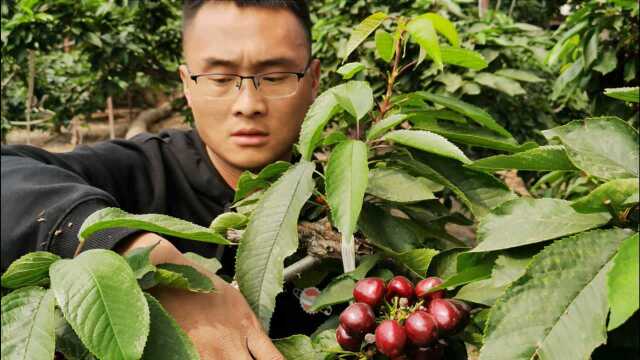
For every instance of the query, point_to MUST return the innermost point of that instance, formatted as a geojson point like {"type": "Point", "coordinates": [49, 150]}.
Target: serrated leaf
{"type": "Point", "coordinates": [608, 62]}
{"type": "Point", "coordinates": [520, 75]}
{"type": "Point", "coordinates": [468, 275]}
{"type": "Point", "coordinates": [139, 261]}
{"type": "Point", "coordinates": [385, 231]}
{"type": "Point", "coordinates": [166, 339]}
{"type": "Point", "coordinates": [398, 186]}
{"type": "Point", "coordinates": [270, 237]}
{"type": "Point", "coordinates": [610, 194]}
{"type": "Point", "coordinates": [628, 94]}
{"type": "Point", "coordinates": [211, 264]}
{"type": "Point", "coordinates": [97, 290]}
{"type": "Point", "coordinates": [346, 181]}
{"type": "Point", "coordinates": [67, 342]}
{"type": "Point", "coordinates": [478, 115]}
{"type": "Point", "coordinates": [466, 134]}
{"type": "Point", "coordinates": [444, 27]}
{"type": "Point", "coordinates": [362, 31]}
{"type": "Point", "coordinates": [417, 260]}
{"type": "Point", "coordinates": [349, 70]}
{"type": "Point", "coordinates": [366, 264]}
{"type": "Point", "coordinates": [298, 347]}
{"type": "Point", "coordinates": [320, 112]}
{"type": "Point", "coordinates": [385, 124]}
{"type": "Point", "coordinates": [560, 300]}
{"type": "Point", "coordinates": [543, 158]}
{"type": "Point", "coordinates": [28, 327]}
{"type": "Point", "coordinates": [384, 45]}
{"type": "Point", "coordinates": [228, 220]}
{"type": "Point", "coordinates": [338, 291]}
{"type": "Point", "coordinates": [427, 141]}
{"type": "Point", "coordinates": [622, 283]}
{"type": "Point", "coordinates": [463, 57]}
{"type": "Point", "coordinates": [451, 81]}
{"type": "Point", "coordinates": [356, 97]}
{"type": "Point", "coordinates": [183, 277]}
{"type": "Point", "coordinates": [506, 85]}
{"type": "Point", "coordinates": [31, 269]}
{"type": "Point", "coordinates": [423, 32]}
{"type": "Point", "coordinates": [163, 224]}
{"type": "Point", "coordinates": [249, 182]}
{"type": "Point", "coordinates": [526, 221]}
{"type": "Point", "coordinates": [565, 78]}
{"type": "Point", "coordinates": [605, 147]}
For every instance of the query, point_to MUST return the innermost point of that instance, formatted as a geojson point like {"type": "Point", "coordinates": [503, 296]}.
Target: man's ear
{"type": "Point", "coordinates": [184, 76]}
{"type": "Point", "coordinates": [314, 71]}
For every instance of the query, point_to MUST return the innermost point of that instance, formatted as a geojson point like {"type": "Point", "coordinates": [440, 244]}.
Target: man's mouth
{"type": "Point", "coordinates": [249, 137]}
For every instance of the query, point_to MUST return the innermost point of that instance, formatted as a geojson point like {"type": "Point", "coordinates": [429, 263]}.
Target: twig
{"type": "Point", "coordinates": [300, 266]}
{"type": "Point", "coordinates": [384, 107]}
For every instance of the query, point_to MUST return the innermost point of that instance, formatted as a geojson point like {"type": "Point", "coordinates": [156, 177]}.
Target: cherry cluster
{"type": "Point", "coordinates": [410, 322]}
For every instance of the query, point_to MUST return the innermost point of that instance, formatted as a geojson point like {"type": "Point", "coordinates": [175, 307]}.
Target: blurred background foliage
{"type": "Point", "coordinates": [548, 61]}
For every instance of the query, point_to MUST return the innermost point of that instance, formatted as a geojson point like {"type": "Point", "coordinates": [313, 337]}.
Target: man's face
{"type": "Point", "coordinates": [224, 38]}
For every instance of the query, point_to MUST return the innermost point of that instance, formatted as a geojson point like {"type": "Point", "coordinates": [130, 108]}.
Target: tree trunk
{"type": "Point", "coordinates": [483, 6]}
{"type": "Point", "coordinates": [148, 117]}
{"type": "Point", "coordinates": [112, 127]}
{"type": "Point", "coordinates": [30, 85]}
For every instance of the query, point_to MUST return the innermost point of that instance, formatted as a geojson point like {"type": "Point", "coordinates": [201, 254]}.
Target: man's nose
{"type": "Point", "coordinates": [249, 103]}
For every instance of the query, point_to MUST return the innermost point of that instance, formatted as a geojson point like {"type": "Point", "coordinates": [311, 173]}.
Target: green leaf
{"type": "Point", "coordinates": [228, 220]}
{"type": "Point", "coordinates": [444, 27]}
{"type": "Point", "coordinates": [183, 277]}
{"type": "Point", "coordinates": [427, 141]}
{"type": "Point", "coordinates": [478, 115]}
{"type": "Point", "coordinates": [385, 124]}
{"type": "Point", "coordinates": [367, 263]}
{"type": "Point", "coordinates": [211, 264]}
{"type": "Point", "coordinates": [166, 339]}
{"type": "Point", "coordinates": [463, 57]}
{"type": "Point", "coordinates": [605, 147]}
{"type": "Point", "coordinates": [338, 291]}
{"type": "Point", "coordinates": [608, 62]}
{"type": "Point", "coordinates": [362, 31]}
{"type": "Point", "coordinates": [614, 193]}
{"type": "Point", "coordinates": [533, 220]}
{"type": "Point", "coordinates": [543, 158]}
{"type": "Point", "coordinates": [398, 186]}
{"type": "Point", "coordinates": [506, 85]}
{"type": "Point", "coordinates": [468, 275]}
{"type": "Point", "coordinates": [452, 81]}
{"type": "Point", "coordinates": [163, 224]}
{"type": "Point", "coordinates": [271, 236]}
{"type": "Point", "coordinates": [297, 347]}
{"type": "Point", "coordinates": [97, 290]}
{"type": "Point", "coordinates": [67, 342]}
{"type": "Point", "coordinates": [346, 181]}
{"type": "Point", "coordinates": [349, 70]}
{"type": "Point", "coordinates": [385, 231]}
{"type": "Point", "coordinates": [422, 32]}
{"type": "Point", "coordinates": [356, 97]}
{"type": "Point", "coordinates": [384, 45]}
{"type": "Point", "coordinates": [249, 182]}
{"type": "Point", "coordinates": [520, 75]}
{"type": "Point", "coordinates": [628, 94]}
{"type": "Point", "coordinates": [479, 191]}
{"type": "Point", "coordinates": [139, 261]}
{"type": "Point", "coordinates": [28, 330]}
{"type": "Point", "coordinates": [469, 135]}
{"type": "Point", "coordinates": [29, 269]}
{"type": "Point", "coordinates": [554, 54]}
{"type": "Point", "coordinates": [622, 283]}
{"type": "Point", "coordinates": [590, 52]}
{"type": "Point", "coordinates": [561, 296]}
{"type": "Point", "coordinates": [320, 112]}
{"type": "Point", "coordinates": [417, 260]}
{"type": "Point", "coordinates": [567, 76]}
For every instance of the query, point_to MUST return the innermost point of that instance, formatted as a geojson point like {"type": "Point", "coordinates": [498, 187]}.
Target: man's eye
{"type": "Point", "coordinates": [275, 78]}
{"type": "Point", "coordinates": [221, 81]}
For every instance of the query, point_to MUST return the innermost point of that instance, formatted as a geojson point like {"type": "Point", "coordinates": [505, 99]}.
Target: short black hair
{"type": "Point", "coordinates": [298, 7]}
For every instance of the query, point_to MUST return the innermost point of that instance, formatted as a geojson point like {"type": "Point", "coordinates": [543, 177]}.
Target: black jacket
{"type": "Point", "coordinates": [46, 197]}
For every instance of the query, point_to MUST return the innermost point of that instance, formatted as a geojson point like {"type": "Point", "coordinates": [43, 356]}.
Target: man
{"type": "Point", "coordinates": [249, 80]}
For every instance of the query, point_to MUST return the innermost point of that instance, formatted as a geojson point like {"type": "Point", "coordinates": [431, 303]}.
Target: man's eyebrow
{"type": "Point", "coordinates": [278, 61]}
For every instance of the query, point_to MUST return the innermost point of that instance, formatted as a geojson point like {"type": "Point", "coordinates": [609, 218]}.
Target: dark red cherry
{"type": "Point", "coordinates": [465, 310]}
{"type": "Point", "coordinates": [401, 287]}
{"type": "Point", "coordinates": [447, 315]}
{"type": "Point", "coordinates": [390, 338]}
{"type": "Point", "coordinates": [358, 319]}
{"type": "Point", "coordinates": [346, 341]}
{"type": "Point", "coordinates": [421, 328]}
{"type": "Point", "coordinates": [423, 287]}
{"type": "Point", "coordinates": [369, 291]}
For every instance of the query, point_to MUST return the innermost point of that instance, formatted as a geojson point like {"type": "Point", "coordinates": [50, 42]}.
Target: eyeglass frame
{"type": "Point", "coordinates": [254, 80]}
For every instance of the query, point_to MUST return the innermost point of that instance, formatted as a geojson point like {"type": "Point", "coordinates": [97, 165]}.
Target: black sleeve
{"type": "Point", "coordinates": [47, 196]}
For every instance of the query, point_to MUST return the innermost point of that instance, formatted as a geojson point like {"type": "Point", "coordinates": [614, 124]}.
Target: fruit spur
{"type": "Point", "coordinates": [398, 320]}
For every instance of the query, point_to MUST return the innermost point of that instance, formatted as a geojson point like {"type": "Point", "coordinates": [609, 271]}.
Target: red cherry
{"type": "Point", "coordinates": [390, 338]}
{"type": "Point", "coordinates": [401, 287]}
{"type": "Point", "coordinates": [421, 328]}
{"type": "Point", "coordinates": [369, 291]}
{"type": "Point", "coordinates": [447, 315]}
{"type": "Point", "coordinates": [358, 319]}
{"type": "Point", "coordinates": [434, 352]}
{"type": "Point", "coordinates": [346, 341]}
{"type": "Point", "coordinates": [465, 310]}
{"type": "Point", "coordinates": [423, 287]}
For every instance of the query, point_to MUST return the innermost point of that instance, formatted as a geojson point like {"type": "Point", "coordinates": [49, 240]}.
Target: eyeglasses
{"type": "Point", "coordinates": [271, 85]}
